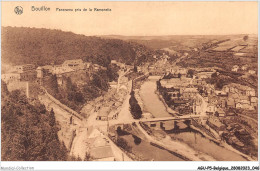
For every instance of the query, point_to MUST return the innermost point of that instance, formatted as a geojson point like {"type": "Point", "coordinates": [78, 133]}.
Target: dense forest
{"type": "Point", "coordinates": [44, 46]}
{"type": "Point", "coordinates": [28, 132]}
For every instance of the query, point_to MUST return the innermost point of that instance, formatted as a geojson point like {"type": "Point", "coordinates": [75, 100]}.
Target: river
{"type": "Point", "coordinates": [200, 143]}
{"type": "Point", "coordinates": [151, 101]}
{"type": "Point", "coordinates": [195, 140]}
{"type": "Point", "coordinates": [148, 152]}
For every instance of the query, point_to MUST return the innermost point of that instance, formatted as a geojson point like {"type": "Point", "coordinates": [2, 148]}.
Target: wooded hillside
{"type": "Point", "coordinates": [28, 132]}
{"type": "Point", "coordinates": [43, 46]}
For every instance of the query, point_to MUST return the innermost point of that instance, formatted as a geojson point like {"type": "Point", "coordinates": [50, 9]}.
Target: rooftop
{"type": "Point", "coordinates": [101, 152]}
{"type": "Point", "coordinates": [215, 122]}
{"type": "Point", "coordinates": [73, 61]}
{"type": "Point", "coordinates": [193, 90]}
{"type": "Point", "coordinates": [239, 86]}
{"type": "Point", "coordinates": [104, 111]}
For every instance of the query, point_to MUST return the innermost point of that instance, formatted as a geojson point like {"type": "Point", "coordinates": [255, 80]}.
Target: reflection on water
{"type": "Point", "coordinates": [200, 143]}
{"type": "Point", "coordinates": [149, 152]}
{"type": "Point", "coordinates": [151, 100]}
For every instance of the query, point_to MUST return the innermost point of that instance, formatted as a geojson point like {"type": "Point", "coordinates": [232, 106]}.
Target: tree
{"type": "Point", "coordinates": [190, 73]}
{"type": "Point", "coordinates": [214, 75]}
{"type": "Point", "coordinates": [41, 108]}
{"type": "Point", "coordinates": [123, 144]}
{"type": "Point", "coordinates": [135, 68]}
{"type": "Point", "coordinates": [79, 97]}
{"type": "Point", "coordinates": [52, 119]}
{"type": "Point", "coordinates": [88, 157]}
{"type": "Point", "coordinates": [53, 88]}
{"type": "Point", "coordinates": [69, 85]}
{"type": "Point", "coordinates": [245, 38]}
{"type": "Point", "coordinates": [134, 107]}
{"type": "Point", "coordinates": [219, 84]}
{"type": "Point", "coordinates": [112, 72]}
{"type": "Point", "coordinates": [27, 135]}
{"type": "Point", "coordinates": [167, 97]}
{"type": "Point", "coordinates": [137, 140]}
{"type": "Point", "coordinates": [200, 91]}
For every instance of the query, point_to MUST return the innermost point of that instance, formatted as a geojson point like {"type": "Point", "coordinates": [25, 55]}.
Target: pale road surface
{"type": "Point", "coordinates": [119, 78]}
{"type": "Point", "coordinates": [203, 106]}
{"type": "Point", "coordinates": [79, 145]}
{"type": "Point", "coordinates": [125, 115]}
{"type": "Point", "coordinates": [62, 117]}
{"type": "Point", "coordinates": [118, 153]}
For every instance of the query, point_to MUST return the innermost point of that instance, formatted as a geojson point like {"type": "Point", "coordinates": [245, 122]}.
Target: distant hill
{"type": "Point", "coordinates": [22, 45]}
{"type": "Point", "coordinates": [174, 42]}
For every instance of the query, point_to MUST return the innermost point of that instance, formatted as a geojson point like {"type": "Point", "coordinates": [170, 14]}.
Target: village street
{"type": "Point", "coordinates": [80, 143]}
{"type": "Point", "coordinates": [203, 105]}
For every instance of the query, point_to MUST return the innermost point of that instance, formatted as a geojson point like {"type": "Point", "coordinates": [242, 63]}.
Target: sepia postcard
{"type": "Point", "coordinates": [130, 81]}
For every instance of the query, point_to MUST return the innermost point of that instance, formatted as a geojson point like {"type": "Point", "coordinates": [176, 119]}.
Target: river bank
{"type": "Point", "coordinates": [150, 100]}
{"type": "Point", "coordinates": [153, 104]}
{"type": "Point", "coordinates": [177, 147]}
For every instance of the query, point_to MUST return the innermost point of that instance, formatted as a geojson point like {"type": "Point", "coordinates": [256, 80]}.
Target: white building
{"type": "Point", "coordinates": [8, 77]}
{"type": "Point", "coordinates": [74, 64]}
{"type": "Point", "coordinates": [251, 72]}
{"type": "Point", "coordinates": [244, 67]}
{"type": "Point", "coordinates": [235, 68]}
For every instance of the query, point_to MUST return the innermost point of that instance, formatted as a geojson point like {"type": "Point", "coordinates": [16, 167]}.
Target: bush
{"type": "Point", "coordinates": [137, 140]}
{"type": "Point", "coordinates": [123, 144]}
{"type": "Point", "coordinates": [88, 157]}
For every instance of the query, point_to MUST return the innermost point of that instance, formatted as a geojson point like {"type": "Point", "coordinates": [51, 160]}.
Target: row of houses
{"type": "Point", "coordinates": [220, 106]}
{"type": "Point", "coordinates": [20, 73]}
{"type": "Point", "coordinates": [177, 71]}
{"type": "Point", "coordinates": [215, 123]}
{"type": "Point", "coordinates": [239, 97]}
{"type": "Point", "coordinates": [231, 96]}
{"type": "Point", "coordinates": [183, 95]}
{"type": "Point", "coordinates": [226, 132]}
{"type": "Point", "coordinates": [111, 109]}
{"type": "Point", "coordinates": [180, 83]}
{"type": "Point", "coordinates": [71, 66]}
{"type": "Point", "coordinates": [29, 72]}
{"type": "Point", "coordinates": [239, 89]}
{"type": "Point", "coordinates": [107, 113]}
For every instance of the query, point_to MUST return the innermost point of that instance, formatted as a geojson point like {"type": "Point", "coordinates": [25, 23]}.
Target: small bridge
{"type": "Point", "coordinates": [169, 122]}
{"type": "Point", "coordinates": [186, 117]}
{"type": "Point", "coordinates": [156, 122]}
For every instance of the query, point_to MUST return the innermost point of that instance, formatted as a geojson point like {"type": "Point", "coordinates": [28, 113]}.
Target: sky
{"type": "Point", "coordinates": [138, 18]}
